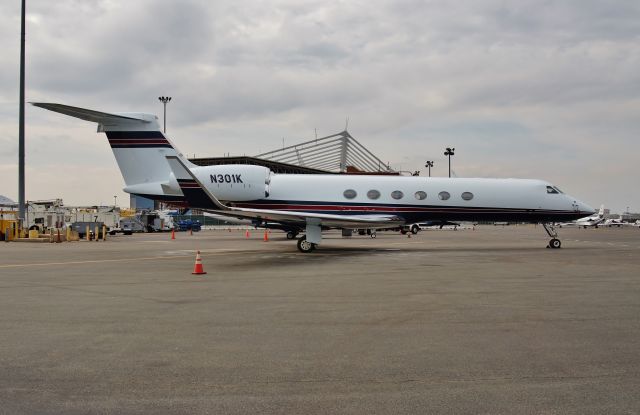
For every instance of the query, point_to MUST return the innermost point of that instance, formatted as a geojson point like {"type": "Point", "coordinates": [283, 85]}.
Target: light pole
{"type": "Point", "coordinates": [21, 197]}
{"type": "Point", "coordinates": [449, 153]}
{"type": "Point", "coordinates": [164, 101]}
{"type": "Point", "coordinates": [429, 165]}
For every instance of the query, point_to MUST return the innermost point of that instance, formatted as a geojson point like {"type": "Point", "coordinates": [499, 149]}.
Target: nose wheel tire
{"type": "Point", "coordinates": [305, 246]}
{"type": "Point", "coordinates": [291, 235]}
{"type": "Point", "coordinates": [554, 243]}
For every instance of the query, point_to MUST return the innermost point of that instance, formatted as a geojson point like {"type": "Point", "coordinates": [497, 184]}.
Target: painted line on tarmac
{"type": "Point", "coordinates": [98, 261]}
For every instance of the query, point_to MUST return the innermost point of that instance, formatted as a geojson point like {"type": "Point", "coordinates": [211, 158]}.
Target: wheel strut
{"type": "Point", "coordinates": [551, 231]}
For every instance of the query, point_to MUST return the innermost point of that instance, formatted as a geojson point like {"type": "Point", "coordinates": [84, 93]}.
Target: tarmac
{"type": "Point", "coordinates": [483, 321]}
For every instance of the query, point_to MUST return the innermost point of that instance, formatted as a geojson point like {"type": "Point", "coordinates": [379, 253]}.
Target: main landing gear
{"type": "Point", "coordinates": [311, 239]}
{"type": "Point", "coordinates": [551, 231]}
{"type": "Point", "coordinates": [305, 246]}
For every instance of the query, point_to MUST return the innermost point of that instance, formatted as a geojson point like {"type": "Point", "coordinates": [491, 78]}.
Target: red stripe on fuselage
{"type": "Point", "coordinates": [139, 141]}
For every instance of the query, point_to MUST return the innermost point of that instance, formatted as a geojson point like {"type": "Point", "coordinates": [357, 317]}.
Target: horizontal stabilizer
{"type": "Point", "coordinates": [86, 114]}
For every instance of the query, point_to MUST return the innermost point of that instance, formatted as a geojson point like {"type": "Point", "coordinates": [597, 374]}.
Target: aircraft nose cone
{"type": "Point", "coordinates": [586, 209]}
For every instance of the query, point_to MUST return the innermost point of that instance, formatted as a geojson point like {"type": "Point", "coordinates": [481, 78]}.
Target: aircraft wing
{"type": "Point", "coordinates": [332, 221]}
{"type": "Point", "coordinates": [182, 173]}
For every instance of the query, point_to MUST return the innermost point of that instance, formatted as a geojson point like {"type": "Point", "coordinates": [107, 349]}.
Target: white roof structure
{"type": "Point", "coordinates": [332, 153]}
{"type": "Point", "coordinates": [5, 201]}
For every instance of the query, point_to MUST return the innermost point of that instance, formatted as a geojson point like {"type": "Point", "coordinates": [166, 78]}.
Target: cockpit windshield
{"type": "Point", "coordinates": [552, 190]}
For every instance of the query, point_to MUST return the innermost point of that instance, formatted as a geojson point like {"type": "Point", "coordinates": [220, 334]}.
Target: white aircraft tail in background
{"type": "Point", "coordinates": [590, 221]}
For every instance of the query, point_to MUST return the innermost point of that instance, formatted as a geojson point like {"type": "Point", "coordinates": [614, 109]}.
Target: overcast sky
{"type": "Point", "coordinates": [527, 89]}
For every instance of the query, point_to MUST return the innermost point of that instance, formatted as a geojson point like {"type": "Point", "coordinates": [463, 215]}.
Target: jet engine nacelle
{"type": "Point", "coordinates": [235, 182]}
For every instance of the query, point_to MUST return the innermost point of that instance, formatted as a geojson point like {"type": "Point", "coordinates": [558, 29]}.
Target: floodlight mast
{"type": "Point", "coordinates": [449, 153]}
{"type": "Point", "coordinates": [164, 101]}
{"type": "Point", "coordinates": [429, 165]}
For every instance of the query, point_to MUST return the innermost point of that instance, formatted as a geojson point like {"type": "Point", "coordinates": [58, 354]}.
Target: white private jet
{"type": "Point", "coordinates": [619, 223]}
{"type": "Point", "coordinates": [593, 220]}
{"type": "Point", "coordinates": [152, 167]}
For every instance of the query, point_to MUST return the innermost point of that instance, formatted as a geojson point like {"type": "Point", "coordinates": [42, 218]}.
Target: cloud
{"type": "Point", "coordinates": [530, 88]}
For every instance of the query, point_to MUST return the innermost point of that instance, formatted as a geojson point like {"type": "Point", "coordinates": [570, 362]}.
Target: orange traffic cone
{"type": "Point", "coordinates": [173, 234]}
{"type": "Point", "coordinates": [197, 268]}
{"type": "Point", "coordinates": [247, 233]}
{"type": "Point", "coordinates": [266, 236]}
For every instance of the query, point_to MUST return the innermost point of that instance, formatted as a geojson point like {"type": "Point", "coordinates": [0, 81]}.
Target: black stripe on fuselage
{"type": "Point", "coordinates": [197, 198]}
{"type": "Point", "coordinates": [417, 213]}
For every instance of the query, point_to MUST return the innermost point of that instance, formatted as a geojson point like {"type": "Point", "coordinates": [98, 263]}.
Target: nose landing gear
{"type": "Point", "coordinates": [554, 243]}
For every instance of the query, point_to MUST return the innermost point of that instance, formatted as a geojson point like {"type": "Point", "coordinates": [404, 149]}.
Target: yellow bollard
{"type": "Point", "coordinates": [68, 233]}
{"type": "Point", "coordinates": [96, 235]}
{"type": "Point", "coordinates": [104, 232]}
{"type": "Point", "coordinates": [88, 236]}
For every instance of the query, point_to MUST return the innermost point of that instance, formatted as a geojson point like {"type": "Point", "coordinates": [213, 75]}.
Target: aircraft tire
{"type": "Point", "coordinates": [415, 229]}
{"type": "Point", "coordinates": [304, 246]}
{"type": "Point", "coordinates": [291, 235]}
{"type": "Point", "coordinates": [373, 235]}
{"type": "Point", "coordinates": [555, 243]}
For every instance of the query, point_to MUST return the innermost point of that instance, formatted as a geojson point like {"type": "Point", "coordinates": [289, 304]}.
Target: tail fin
{"type": "Point", "coordinates": [601, 211]}
{"type": "Point", "coordinates": [138, 145]}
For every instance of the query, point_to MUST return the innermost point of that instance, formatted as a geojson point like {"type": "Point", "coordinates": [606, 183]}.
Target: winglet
{"type": "Point", "coordinates": [87, 114]}
{"type": "Point", "coordinates": [188, 180]}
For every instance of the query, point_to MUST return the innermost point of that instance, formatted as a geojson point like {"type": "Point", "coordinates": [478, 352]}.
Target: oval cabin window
{"type": "Point", "coordinates": [467, 195]}
{"type": "Point", "coordinates": [444, 195]}
{"type": "Point", "coordinates": [350, 193]}
{"type": "Point", "coordinates": [373, 194]}
{"type": "Point", "coordinates": [397, 194]}
{"type": "Point", "coordinates": [420, 195]}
